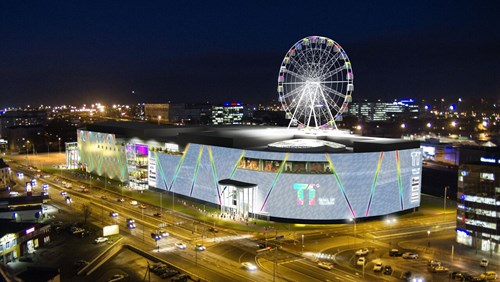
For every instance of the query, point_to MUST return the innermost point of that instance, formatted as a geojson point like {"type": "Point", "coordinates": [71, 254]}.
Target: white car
{"type": "Point", "coordinates": [325, 265]}
{"type": "Point", "coordinates": [180, 245]}
{"type": "Point", "coordinates": [248, 266]}
{"type": "Point", "coordinates": [361, 261]}
{"type": "Point", "coordinates": [134, 203]}
{"type": "Point", "coordinates": [101, 240]}
{"type": "Point", "coordinates": [484, 263]}
{"type": "Point", "coordinates": [409, 255]}
{"type": "Point", "coordinates": [378, 266]}
{"type": "Point", "coordinates": [362, 252]}
{"type": "Point", "coordinates": [200, 247]}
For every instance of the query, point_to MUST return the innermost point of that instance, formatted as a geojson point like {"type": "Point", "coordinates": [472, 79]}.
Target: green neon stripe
{"type": "Point", "coordinates": [275, 181]}
{"type": "Point", "coordinates": [178, 167]}
{"type": "Point", "coordinates": [334, 172]}
{"type": "Point", "coordinates": [214, 172]}
{"type": "Point", "coordinates": [237, 163]}
{"type": "Point", "coordinates": [374, 182]}
{"type": "Point", "coordinates": [196, 169]}
{"type": "Point", "coordinates": [400, 183]}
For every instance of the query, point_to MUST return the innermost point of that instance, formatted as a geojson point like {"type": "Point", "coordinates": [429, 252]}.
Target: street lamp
{"type": "Point", "coordinates": [444, 205]}
{"type": "Point", "coordinates": [428, 241]}
{"type": "Point", "coordinates": [353, 220]}
{"type": "Point", "coordinates": [59, 144]}
{"type": "Point", "coordinates": [302, 242]}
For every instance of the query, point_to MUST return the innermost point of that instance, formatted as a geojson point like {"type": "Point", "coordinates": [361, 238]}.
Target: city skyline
{"type": "Point", "coordinates": [160, 52]}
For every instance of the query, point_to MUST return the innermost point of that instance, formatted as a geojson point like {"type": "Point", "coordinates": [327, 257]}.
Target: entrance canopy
{"type": "Point", "coordinates": [236, 183]}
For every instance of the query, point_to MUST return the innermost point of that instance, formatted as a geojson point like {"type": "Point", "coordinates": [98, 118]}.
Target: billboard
{"type": "Point", "coordinates": [306, 186]}
{"type": "Point", "coordinates": [110, 230]}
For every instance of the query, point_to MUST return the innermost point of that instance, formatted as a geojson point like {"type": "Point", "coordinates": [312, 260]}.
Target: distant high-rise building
{"type": "Point", "coordinates": [478, 203]}
{"type": "Point", "coordinates": [157, 112]}
{"type": "Point", "coordinates": [229, 113]}
{"type": "Point", "coordinates": [5, 176]}
{"type": "Point", "coordinates": [384, 111]}
{"type": "Point", "coordinates": [21, 118]}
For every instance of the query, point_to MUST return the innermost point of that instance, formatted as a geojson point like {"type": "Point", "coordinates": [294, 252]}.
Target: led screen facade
{"type": "Point", "coordinates": [330, 186]}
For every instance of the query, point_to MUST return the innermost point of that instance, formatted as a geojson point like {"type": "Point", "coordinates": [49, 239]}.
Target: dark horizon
{"type": "Point", "coordinates": [158, 52]}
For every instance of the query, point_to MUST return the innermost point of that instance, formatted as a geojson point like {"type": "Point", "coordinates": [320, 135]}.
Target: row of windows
{"type": "Point", "coordinates": [478, 211]}
{"type": "Point", "coordinates": [290, 166]}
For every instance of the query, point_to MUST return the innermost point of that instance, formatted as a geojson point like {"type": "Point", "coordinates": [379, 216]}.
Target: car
{"type": "Point", "coordinates": [394, 253]}
{"type": "Point", "coordinates": [180, 245]}
{"type": "Point", "coordinates": [248, 266]}
{"type": "Point", "coordinates": [387, 270]}
{"type": "Point", "coordinates": [157, 214]}
{"type": "Point", "coordinates": [101, 240]}
{"type": "Point", "coordinates": [134, 203]}
{"type": "Point", "coordinates": [155, 236]}
{"type": "Point", "coordinates": [457, 275]}
{"type": "Point", "coordinates": [489, 275]}
{"type": "Point", "coordinates": [64, 193]}
{"type": "Point", "coordinates": [80, 263]}
{"type": "Point", "coordinates": [120, 200]}
{"type": "Point", "coordinates": [417, 279]}
{"type": "Point", "coordinates": [14, 193]}
{"type": "Point", "coordinates": [113, 214]}
{"type": "Point", "coordinates": [68, 200]}
{"type": "Point", "coordinates": [169, 273]}
{"type": "Point", "coordinates": [378, 266]}
{"type": "Point", "coordinates": [484, 262]}
{"type": "Point", "coordinates": [116, 277]}
{"type": "Point", "coordinates": [362, 252]}
{"type": "Point", "coordinates": [406, 275]}
{"type": "Point", "coordinates": [438, 269]}
{"type": "Point", "coordinates": [409, 255]}
{"type": "Point", "coordinates": [131, 225]}
{"type": "Point", "coordinates": [361, 261]}
{"type": "Point", "coordinates": [433, 263]}
{"type": "Point", "coordinates": [213, 229]}
{"type": "Point", "coordinates": [163, 233]}
{"type": "Point", "coordinates": [325, 265]}
{"type": "Point", "coordinates": [199, 247]}
{"type": "Point", "coordinates": [104, 197]}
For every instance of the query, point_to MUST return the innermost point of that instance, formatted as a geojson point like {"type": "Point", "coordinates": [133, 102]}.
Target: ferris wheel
{"type": "Point", "coordinates": [315, 83]}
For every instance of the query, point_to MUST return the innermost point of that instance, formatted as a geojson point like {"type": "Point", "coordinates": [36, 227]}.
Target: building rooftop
{"type": "Point", "coordinates": [249, 137]}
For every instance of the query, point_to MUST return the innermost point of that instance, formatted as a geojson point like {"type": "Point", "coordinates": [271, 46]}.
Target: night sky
{"type": "Point", "coordinates": [55, 52]}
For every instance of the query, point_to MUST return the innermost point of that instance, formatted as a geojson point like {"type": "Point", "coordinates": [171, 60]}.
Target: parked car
{"type": "Point", "coordinates": [362, 252]}
{"type": "Point", "coordinates": [489, 275]}
{"type": "Point", "coordinates": [113, 214]}
{"type": "Point", "coordinates": [181, 278]}
{"type": "Point", "coordinates": [484, 262]}
{"type": "Point", "coordinates": [101, 240]}
{"type": "Point", "coordinates": [387, 270]}
{"type": "Point", "coordinates": [80, 263]}
{"type": "Point", "coordinates": [409, 255]}
{"type": "Point", "coordinates": [325, 265]}
{"type": "Point", "coordinates": [163, 233]}
{"type": "Point", "coordinates": [157, 214]}
{"type": "Point", "coordinates": [361, 261]}
{"type": "Point", "coordinates": [438, 269]}
{"type": "Point", "coordinates": [248, 266]}
{"type": "Point", "coordinates": [433, 263]}
{"type": "Point", "coordinates": [378, 266]}
{"type": "Point", "coordinates": [394, 253]}
{"type": "Point", "coordinates": [134, 203]}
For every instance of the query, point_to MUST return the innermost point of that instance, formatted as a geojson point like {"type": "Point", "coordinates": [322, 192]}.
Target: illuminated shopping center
{"type": "Point", "coordinates": [273, 173]}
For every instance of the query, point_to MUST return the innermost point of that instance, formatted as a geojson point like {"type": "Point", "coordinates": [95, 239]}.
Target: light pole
{"type": "Point", "coordinates": [428, 241]}
{"type": "Point", "coordinates": [444, 205]}
{"type": "Point", "coordinates": [59, 144]}
{"type": "Point", "coordinates": [302, 242]}
{"type": "Point", "coordinates": [353, 220]}
{"type": "Point", "coordinates": [27, 147]}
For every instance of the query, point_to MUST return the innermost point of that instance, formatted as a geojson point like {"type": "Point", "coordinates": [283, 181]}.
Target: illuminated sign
{"type": "Point", "coordinates": [30, 230]}
{"type": "Point", "coordinates": [488, 160]}
{"type": "Point", "coordinates": [300, 193]}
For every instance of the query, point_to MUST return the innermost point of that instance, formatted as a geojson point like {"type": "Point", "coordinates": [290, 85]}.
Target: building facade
{"type": "Point", "coordinates": [5, 175]}
{"type": "Point", "coordinates": [478, 202]}
{"type": "Point", "coordinates": [215, 165]}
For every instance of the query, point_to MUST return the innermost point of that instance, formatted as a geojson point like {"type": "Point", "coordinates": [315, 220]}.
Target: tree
{"type": "Point", "coordinates": [87, 211]}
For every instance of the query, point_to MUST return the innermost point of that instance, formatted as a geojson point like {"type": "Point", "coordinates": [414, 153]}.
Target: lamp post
{"type": "Point", "coordinates": [444, 200]}
{"type": "Point", "coordinates": [428, 241]}
{"type": "Point", "coordinates": [59, 144]}
{"type": "Point", "coordinates": [353, 220]}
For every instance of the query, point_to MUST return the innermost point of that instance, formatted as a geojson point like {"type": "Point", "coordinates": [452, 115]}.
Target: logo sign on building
{"type": "Point", "coordinates": [151, 169]}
